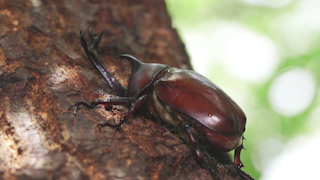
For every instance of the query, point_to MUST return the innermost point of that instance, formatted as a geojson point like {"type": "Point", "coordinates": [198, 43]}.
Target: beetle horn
{"type": "Point", "coordinates": [135, 63]}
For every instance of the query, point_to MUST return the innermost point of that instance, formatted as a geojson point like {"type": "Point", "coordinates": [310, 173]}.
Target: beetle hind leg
{"type": "Point", "coordinates": [237, 153]}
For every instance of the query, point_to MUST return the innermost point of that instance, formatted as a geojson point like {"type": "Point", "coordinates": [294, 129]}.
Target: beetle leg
{"type": "Point", "coordinates": [193, 143]}
{"type": "Point", "coordinates": [197, 151]}
{"type": "Point", "coordinates": [237, 160]}
{"type": "Point", "coordinates": [110, 101]}
{"type": "Point", "coordinates": [132, 110]}
{"type": "Point", "coordinates": [91, 52]}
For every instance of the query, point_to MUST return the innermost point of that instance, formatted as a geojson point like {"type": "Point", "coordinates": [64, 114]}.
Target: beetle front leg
{"type": "Point", "coordinates": [91, 52]}
{"type": "Point", "coordinates": [110, 101]}
{"type": "Point", "coordinates": [132, 110]}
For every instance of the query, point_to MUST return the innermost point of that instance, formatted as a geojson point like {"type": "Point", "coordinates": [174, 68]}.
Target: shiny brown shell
{"type": "Point", "coordinates": [196, 96]}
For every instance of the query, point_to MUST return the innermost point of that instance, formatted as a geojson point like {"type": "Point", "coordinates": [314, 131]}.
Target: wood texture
{"type": "Point", "coordinates": [43, 72]}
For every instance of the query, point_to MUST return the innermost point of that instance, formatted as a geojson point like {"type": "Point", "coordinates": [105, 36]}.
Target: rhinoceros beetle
{"type": "Point", "coordinates": [181, 98]}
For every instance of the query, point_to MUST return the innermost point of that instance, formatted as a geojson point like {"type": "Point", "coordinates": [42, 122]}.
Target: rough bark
{"type": "Point", "coordinates": [43, 72]}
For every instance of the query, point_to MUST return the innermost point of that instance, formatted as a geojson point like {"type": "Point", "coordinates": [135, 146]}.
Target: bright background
{"type": "Point", "coordinates": [266, 55]}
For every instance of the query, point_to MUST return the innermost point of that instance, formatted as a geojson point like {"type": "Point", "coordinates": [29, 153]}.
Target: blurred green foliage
{"type": "Point", "coordinates": [264, 121]}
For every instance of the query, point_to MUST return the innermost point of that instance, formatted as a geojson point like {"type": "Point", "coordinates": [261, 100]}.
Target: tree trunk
{"type": "Point", "coordinates": [43, 72]}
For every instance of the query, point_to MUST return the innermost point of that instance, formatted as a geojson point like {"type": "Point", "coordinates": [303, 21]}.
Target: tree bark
{"type": "Point", "coordinates": [43, 72]}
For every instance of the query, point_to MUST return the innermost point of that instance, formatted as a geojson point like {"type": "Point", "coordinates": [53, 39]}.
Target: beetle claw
{"type": "Point", "coordinates": [70, 107]}
{"type": "Point", "coordinates": [77, 104]}
{"type": "Point", "coordinates": [74, 110]}
{"type": "Point", "coordinates": [94, 41]}
{"type": "Point", "coordinates": [100, 125]}
{"type": "Point", "coordinates": [239, 166]}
